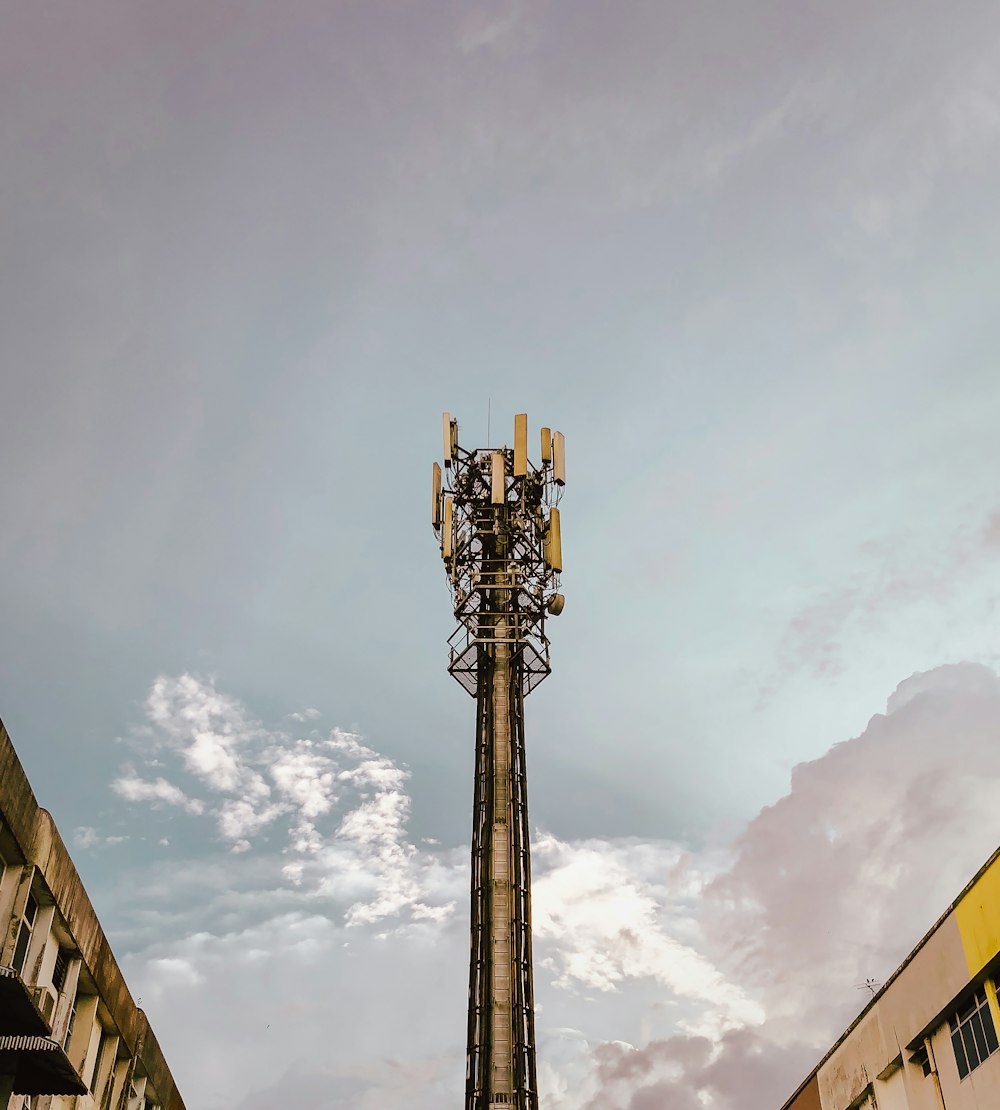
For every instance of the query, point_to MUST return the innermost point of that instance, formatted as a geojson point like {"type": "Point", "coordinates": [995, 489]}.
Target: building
{"type": "Point", "coordinates": [71, 1036]}
{"type": "Point", "coordinates": [928, 1040]}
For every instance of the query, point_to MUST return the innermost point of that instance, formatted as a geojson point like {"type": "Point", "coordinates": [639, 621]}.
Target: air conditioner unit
{"type": "Point", "coordinates": [45, 1001]}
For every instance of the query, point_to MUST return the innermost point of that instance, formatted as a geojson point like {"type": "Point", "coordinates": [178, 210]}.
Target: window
{"type": "Point", "coordinates": [69, 1027]}
{"type": "Point", "coordinates": [24, 934]}
{"type": "Point", "coordinates": [109, 1088]}
{"type": "Point", "coordinates": [60, 969]}
{"type": "Point", "coordinates": [972, 1034]}
{"type": "Point", "coordinates": [922, 1060]}
{"type": "Point", "coordinates": [102, 1051]}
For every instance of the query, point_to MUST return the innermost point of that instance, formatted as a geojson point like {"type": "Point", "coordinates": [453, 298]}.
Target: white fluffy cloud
{"type": "Point", "coordinates": [85, 836]}
{"type": "Point", "coordinates": [344, 804]}
{"type": "Point", "coordinates": [664, 976]}
{"type": "Point", "coordinates": [156, 791]}
{"type": "Point", "coordinates": [608, 910]}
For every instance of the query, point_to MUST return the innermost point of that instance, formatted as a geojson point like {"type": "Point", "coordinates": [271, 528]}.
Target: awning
{"type": "Point", "coordinates": [18, 1014]}
{"type": "Point", "coordinates": [39, 1067]}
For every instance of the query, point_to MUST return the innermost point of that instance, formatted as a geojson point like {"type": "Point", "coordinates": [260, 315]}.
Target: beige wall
{"type": "Point", "coordinates": [979, 1090]}
{"type": "Point", "coordinates": [873, 1056]}
{"type": "Point", "coordinates": [923, 987]}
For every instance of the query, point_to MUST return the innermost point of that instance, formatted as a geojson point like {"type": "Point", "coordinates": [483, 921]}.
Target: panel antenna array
{"type": "Point", "coordinates": [496, 515]}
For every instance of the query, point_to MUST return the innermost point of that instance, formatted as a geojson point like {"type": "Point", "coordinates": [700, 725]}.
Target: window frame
{"type": "Point", "coordinates": [973, 1032]}
{"type": "Point", "coordinates": [24, 932]}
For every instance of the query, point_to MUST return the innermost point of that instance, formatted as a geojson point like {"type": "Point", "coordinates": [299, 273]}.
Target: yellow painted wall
{"type": "Point", "coordinates": [978, 916]}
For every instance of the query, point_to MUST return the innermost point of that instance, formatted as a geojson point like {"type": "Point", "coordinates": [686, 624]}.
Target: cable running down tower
{"type": "Point", "coordinates": [497, 518]}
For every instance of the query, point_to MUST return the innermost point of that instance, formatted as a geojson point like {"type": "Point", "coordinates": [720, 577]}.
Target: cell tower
{"type": "Point", "coordinates": [497, 518]}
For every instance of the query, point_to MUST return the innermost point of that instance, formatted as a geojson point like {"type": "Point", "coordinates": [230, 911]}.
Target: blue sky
{"type": "Point", "coordinates": [744, 256]}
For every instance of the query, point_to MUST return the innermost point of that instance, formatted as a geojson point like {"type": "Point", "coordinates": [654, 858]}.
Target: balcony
{"type": "Point", "coordinates": [27, 1051]}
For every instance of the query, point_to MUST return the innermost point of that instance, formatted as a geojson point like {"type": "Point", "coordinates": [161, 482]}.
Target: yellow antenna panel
{"type": "Point", "coordinates": [553, 542]}
{"type": "Point", "coordinates": [446, 435]}
{"type": "Point", "coordinates": [436, 503]}
{"type": "Point", "coordinates": [520, 445]}
{"type": "Point", "coordinates": [498, 490]}
{"type": "Point", "coordinates": [448, 533]}
{"type": "Point", "coordinates": [559, 458]}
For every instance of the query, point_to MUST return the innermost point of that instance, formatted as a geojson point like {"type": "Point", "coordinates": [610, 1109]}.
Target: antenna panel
{"type": "Point", "coordinates": [436, 500]}
{"type": "Point", "coordinates": [498, 492]}
{"type": "Point", "coordinates": [559, 458]}
{"type": "Point", "coordinates": [446, 436]}
{"type": "Point", "coordinates": [520, 445]}
{"type": "Point", "coordinates": [448, 532]}
{"type": "Point", "coordinates": [553, 542]}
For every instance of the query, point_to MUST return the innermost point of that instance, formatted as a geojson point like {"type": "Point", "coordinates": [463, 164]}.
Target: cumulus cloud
{"type": "Point", "coordinates": [834, 879]}
{"type": "Point", "coordinates": [741, 1069]}
{"type": "Point", "coordinates": [210, 730]}
{"type": "Point", "coordinates": [345, 805]}
{"type": "Point", "coordinates": [830, 885]}
{"type": "Point", "coordinates": [608, 909]}
{"type": "Point", "coordinates": [130, 786]}
{"type": "Point", "coordinates": [664, 975]}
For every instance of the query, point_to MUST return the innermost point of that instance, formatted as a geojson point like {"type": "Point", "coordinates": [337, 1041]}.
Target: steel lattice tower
{"type": "Point", "coordinates": [497, 519]}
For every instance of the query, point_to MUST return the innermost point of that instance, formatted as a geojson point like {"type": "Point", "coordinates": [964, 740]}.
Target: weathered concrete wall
{"type": "Point", "coordinates": [39, 843]}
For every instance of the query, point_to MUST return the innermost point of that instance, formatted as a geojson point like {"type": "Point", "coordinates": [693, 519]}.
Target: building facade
{"type": "Point", "coordinates": [71, 1036]}
{"type": "Point", "coordinates": [928, 1040]}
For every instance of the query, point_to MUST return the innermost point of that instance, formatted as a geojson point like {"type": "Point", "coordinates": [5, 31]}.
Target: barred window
{"type": "Point", "coordinates": [972, 1034]}
{"type": "Point", "coordinates": [60, 969]}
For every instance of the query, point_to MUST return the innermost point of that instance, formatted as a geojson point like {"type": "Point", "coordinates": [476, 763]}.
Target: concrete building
{"type": "Point", "coordinates": [71, 1037]}
{"type": "Point", "coordinates": [928, 1040]}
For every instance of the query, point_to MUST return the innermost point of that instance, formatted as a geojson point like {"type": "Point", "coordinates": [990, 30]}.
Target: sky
{"type": "Point", "coordinates": [745, 257]}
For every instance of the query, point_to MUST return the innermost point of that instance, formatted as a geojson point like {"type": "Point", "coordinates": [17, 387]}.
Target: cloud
{"type": "Point", "coordinates": [608, 910]}
{"type": "Point", "coordinates": [742, 1069]}
{"type": "Point", "coordinates": [310, 714]}
{"type": "Point", "coordinates": [346, 804]}
{"type": "Point", "coordinates": [828, 886]}
{"type": "Point", "coordinates": [509, 26]}
{"type": "Point", "coordinates": [274, 989]}
{"type": "Point", "coordinates": [209, 729]}
{"type": "Point", "coordinates": [158, 791]}
{"type": "Point", "coordinates": [831, 884]}
{"type": "Point", "coordinates": [663, 975]}
{"type": "Point", "coordinates": [888, 579]}
{"type": "Point", "coordinates": [87, 837]}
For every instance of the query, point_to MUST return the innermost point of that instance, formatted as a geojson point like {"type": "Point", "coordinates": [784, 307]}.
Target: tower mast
{"type": "Point", "coordinates": [497, 518]}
